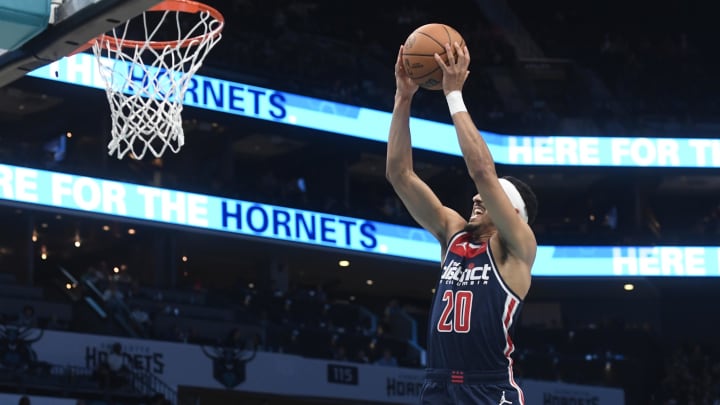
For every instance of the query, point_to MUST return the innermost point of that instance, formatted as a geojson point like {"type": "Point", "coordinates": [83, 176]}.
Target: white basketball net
{"type": "Point", "coordinates": [145, 87]}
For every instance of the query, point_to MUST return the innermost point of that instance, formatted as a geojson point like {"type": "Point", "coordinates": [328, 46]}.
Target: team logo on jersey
{"type": "Point", "coordinates": [454, 273]}
{"type": "Point", "coordinates": [464, 248]}
{"type": "Point", "coordinates": [503, 400]}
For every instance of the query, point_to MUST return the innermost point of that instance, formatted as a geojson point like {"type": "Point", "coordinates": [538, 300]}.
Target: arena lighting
{"type": "Point", "coordinates": [629, 287]}
{"type": "Point", "coordinates": [347, 120]}
{"type": "Point", "coordinates": [112, 199]}
{"type": "Point", "coordinates": [344, 263]}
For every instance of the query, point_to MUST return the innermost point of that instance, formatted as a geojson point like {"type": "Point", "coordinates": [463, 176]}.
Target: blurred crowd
{"type": "Point", "coordinates": [616, 71]}
{"type": "Point", "coordinates": [692, 375]}
{"type": "Point", "coordinates": [309, 321]}
{"type": "Point", "coordinates": [345, 52]}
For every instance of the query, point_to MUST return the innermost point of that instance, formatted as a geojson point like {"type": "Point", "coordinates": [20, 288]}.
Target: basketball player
{"type": "Point", "coordinates": [486, 260]}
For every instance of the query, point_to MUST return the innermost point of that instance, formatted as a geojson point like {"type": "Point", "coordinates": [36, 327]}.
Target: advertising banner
{"type": "Point", "coordinates": [181, 364]}
{"type": "Point", "coordinates": [227, 97]}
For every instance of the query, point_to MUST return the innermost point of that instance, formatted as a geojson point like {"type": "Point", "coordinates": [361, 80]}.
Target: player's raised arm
{"type": "Point", "coordinates": [501, 198]}
{"type": "Point", "coordinates": [419, 199]}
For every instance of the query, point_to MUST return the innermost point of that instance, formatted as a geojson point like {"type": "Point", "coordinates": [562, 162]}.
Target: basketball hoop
{"type": "Point", "coordinates": [146, 79]}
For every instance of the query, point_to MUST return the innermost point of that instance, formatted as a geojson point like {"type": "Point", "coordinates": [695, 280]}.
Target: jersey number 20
{"type": "Point", "coordinates": [456, 315]}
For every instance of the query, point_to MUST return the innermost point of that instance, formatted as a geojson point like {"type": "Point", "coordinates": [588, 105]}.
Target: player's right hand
{"type": "Point", "coordinates": [455, 71]}
{"type": "Point", "coordinates": [405, 86]}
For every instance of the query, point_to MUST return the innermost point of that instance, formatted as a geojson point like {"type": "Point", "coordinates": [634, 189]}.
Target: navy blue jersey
{"type": "Point", "coordinates": [473, 313]}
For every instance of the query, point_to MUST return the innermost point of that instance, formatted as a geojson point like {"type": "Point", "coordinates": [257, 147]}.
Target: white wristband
{"type": "Point", "coordinates": [455, 102]}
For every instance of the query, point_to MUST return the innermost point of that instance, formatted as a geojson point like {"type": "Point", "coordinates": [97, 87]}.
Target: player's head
{"type": "Point", "coordinates": [527, 195]}
{"type": "Point", "coordinates": [521, 196]}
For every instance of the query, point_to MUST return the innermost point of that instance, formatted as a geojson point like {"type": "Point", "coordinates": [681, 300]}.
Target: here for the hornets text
{"type": "Point", "coordinates": [228, 97]}
{"type": "Point", "coordinates": [84, 195]}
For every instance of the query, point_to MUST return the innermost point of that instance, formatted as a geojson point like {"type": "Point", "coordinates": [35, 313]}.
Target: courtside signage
{"type": "Point", "coordinates": [226, 368]}
{"type": "Point", "coordinates": [342, 119]}
{"type": "Point", "coordinates": [139, 202]}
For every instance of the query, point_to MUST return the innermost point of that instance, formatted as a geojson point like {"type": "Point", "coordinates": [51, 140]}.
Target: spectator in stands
{"type": "Point", "coordinates": [387, 359]}
{"type": "Point", "coordinates": [340, 353]}
{"type": "Point", "coordinates": [292, 345]}
{"type": "Point", "coordinates": [198, 287]}
{"type": "Point", "coordinates": [361, 357]}
{"type": "Point", "coordinates": [393, 320]}
{"type": "Point", "coordinates": [112, 372]}
{"type": "Point", "coordinates": [391, 309]}
{"type": "Point", "coordinates": [318, 294]}
{"type": "Point", "coordinates": [27, 317]}
{"type": "Point", "coordinates": [134, 291]}
{"type": "Point", "coordinates": [177, 334]}
{"type": "Point", "coordinates": [235, 339]}
{"type": "Point", "coordinates": [56, 323]}
{"type": "Point", "coordinates": [258, 343]}
{"type": "Point", "coordinates": [113, 297]}
{"type": "Point", "coordinates": [381, 330]}
{"type": "Point", "coordinates": [712, 222]}
{"type": "Point", "coordinates": [157, 399]}
{"type": "Point", "coordinates": [116, 364]}
{"type": "Point", "coordinates": [97, 274]}
{"type": "Point", "coordinates": [141, 319]}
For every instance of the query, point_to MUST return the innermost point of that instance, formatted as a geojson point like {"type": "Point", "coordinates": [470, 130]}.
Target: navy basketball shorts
{"type": "Point", "coordinates": [462, 388]}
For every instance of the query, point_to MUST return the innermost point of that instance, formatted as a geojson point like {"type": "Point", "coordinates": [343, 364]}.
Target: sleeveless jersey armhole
{"type": "Point", "coordinates": [496, 271]}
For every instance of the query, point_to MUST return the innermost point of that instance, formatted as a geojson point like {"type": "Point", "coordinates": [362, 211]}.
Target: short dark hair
{"type": "Point", "coordinates": [528, 196]}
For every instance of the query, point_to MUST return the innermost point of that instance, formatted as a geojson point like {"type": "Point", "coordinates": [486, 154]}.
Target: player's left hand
{"type": "Point", "coordinates": [405, 86]}
{"type": "Point", "coordinates": [455, 71]}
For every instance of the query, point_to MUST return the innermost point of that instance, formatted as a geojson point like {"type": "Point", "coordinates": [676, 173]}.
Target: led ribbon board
{"type": "Point", "coordinates": [126, 200]}
{"type": "Point", "coordinates": [342, 119]}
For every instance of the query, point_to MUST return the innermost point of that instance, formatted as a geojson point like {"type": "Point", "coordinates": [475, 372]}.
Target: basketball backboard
{"type": "Point", "coordinates": [72, 23]}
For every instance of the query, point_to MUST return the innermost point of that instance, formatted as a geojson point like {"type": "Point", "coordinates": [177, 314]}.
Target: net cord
{"type": "Point", "coordinates": [146, 100]}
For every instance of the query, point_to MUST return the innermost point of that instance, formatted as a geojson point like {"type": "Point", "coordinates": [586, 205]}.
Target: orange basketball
{"type": "Point", "coordinates": [420, 46]}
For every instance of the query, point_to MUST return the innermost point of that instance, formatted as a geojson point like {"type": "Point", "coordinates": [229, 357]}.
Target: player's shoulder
{"type": "Point", "coordinates": [524, 248]}
{"type": "Point", "coordinates": [454, 225]}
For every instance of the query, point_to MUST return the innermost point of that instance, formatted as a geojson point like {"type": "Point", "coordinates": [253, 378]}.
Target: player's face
{"type": "Point", "coordinates": [477, 215]}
